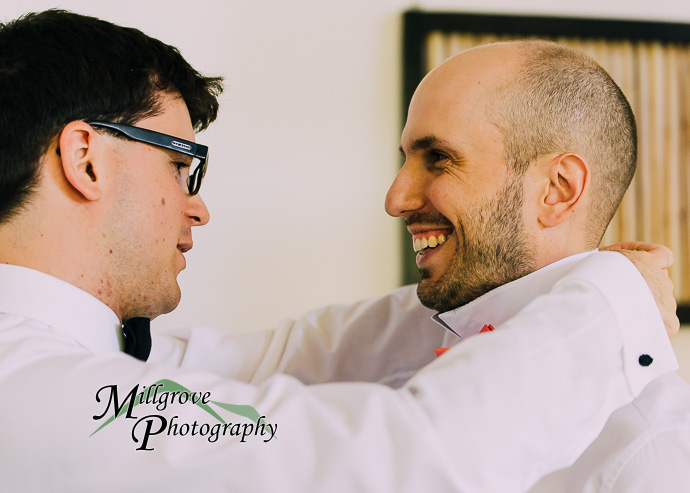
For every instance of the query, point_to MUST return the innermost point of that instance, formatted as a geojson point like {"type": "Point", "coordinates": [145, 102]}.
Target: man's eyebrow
{"type": "Point", "coordinates": [427, 142]}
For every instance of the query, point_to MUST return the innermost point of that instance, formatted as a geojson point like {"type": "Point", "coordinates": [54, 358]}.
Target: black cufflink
{"type": "Point", "coordinates": [645, 360]}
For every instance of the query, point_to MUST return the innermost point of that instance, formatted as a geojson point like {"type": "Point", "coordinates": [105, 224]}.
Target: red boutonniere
{"type": "Point", "coordinates": [440, 350]}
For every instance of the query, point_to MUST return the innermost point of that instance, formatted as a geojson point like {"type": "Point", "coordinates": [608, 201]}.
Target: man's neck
{"type": "Point", "coordinates": [503, 302]}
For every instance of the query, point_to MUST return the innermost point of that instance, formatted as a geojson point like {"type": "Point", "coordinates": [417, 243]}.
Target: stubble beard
{"type": "Point", "coordinates": [496, 250]}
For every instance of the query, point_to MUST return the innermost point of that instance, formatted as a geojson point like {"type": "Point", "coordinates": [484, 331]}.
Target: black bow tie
{"type": "Point", "coordinates": [137, 332]}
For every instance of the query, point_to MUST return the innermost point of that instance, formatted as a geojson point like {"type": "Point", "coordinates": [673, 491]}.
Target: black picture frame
{"type": "Point", "coordinates": [418, 24]}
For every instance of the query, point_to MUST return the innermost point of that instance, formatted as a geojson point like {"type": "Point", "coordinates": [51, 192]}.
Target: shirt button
{"type": "Point", "coordinates": [645, 360]}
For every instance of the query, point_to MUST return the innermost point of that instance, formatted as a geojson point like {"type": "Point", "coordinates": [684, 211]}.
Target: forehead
{"type": "Point", "coordinates": [452, 101]}
{"type": "Point", "coordinates": [172, 120]}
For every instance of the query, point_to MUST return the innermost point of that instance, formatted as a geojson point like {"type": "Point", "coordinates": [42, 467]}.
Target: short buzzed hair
{"type": "Point", "coordinates": [562, 101]}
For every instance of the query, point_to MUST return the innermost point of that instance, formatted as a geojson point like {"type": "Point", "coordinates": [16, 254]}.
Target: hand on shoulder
{"type": "Point", "coordinates": [653, 261]}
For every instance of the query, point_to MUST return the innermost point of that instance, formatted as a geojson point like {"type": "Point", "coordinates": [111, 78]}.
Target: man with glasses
{"type": "Point", "coordinates": [197, 154]}
{"type": "Point", "coordinates": [98, 197]}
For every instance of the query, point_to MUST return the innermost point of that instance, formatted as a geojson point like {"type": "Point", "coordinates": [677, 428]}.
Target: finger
{"type": "Point", "coordinates": [632, 245]}
{"type": "Point", "coordinates": [626, 245]}
{"type": "Point", "coordinates": [672, 327]}
{"type": "Point", "coordinates": [662, 255]}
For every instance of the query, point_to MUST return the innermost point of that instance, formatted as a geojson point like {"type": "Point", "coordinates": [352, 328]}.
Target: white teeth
{"type": "Point", "coordinates": [420, 244]}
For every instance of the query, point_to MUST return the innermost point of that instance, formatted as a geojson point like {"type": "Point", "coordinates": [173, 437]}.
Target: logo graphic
{"type": "Point", "coordinates": [182, 145]}
{"type": "Point", "coordinates": [166, 393]}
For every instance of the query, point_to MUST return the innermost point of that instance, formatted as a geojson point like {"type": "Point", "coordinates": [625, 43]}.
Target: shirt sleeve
{"type": "Point", "coordinates": [492, 415]}
{"type": "Point", "coordinates": [385, 340]}
{"type": "Point", "coordinates": [661, 464]}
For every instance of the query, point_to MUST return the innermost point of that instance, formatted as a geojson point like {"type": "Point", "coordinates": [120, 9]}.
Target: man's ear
{"type": "Point", "coordinates": [567, 178]}
{"type": "Point", "coordinates": [78, 153]}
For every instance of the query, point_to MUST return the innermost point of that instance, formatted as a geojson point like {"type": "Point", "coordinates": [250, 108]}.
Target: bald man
{"type": "Point", "coordinates": [517, 156]}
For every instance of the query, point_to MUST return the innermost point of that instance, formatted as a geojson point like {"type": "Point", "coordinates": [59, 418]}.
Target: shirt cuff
{"type": "Point", "coordinates": [647, 350]}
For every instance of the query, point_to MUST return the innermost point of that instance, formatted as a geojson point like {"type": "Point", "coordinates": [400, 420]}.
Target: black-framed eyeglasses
{"type": "Point", "coordinates": [198, 152]}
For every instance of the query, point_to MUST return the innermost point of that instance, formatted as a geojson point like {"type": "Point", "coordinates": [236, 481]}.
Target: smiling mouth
{"type": "Point", "coordinates": [424, 242]}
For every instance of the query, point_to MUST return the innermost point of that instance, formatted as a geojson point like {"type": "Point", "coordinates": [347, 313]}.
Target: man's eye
{"type": "Point", "coordinates": [437, 157]}
{"type": "Point", "coordinates": [180, 166]}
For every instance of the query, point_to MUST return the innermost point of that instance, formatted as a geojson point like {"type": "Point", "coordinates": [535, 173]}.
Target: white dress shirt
{"type": "Point", "coordinates": [645, 445]}
{"type": "Point", "coordinates": [473, 420]}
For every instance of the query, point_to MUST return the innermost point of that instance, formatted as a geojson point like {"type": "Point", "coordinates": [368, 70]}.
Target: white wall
{"type": "Point", "coordinates": [306, 143]}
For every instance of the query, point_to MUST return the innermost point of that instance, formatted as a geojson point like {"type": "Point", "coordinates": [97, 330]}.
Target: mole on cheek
{"type": "Point", "coordinates": [163, 201]}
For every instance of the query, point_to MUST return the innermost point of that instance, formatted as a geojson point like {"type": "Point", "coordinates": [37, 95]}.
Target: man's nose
{"type": "Point", "coordinates": [197, 211]}
{"type": "Point", "coordinates": [406, 193]}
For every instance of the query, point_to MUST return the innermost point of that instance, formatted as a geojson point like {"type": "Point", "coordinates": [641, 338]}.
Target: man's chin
{"type": "Point", "coordinates": [169, 303]}
{"type": "Point", "coordinates": [430, 295]}
{"type": "Point", "coordinates": [441, 294]}
{"type": "Point", "coordinates": [174, 301]}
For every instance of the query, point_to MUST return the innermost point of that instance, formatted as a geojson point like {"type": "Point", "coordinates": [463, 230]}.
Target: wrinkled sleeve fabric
{"type": "Point", "coordinates": [660, 464]}
{"type": "Point", "coordinates": [644, 447]}
{"type": "Point", "coordinates": [383, 340]}
{"type": "Point", "coordinates": [492, 415]}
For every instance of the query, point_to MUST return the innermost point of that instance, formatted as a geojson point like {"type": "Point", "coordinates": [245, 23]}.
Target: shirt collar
{"type": "Point", "coordinates": [61, 305]}
{"type": "Point", "coordinates": [503, 302]}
